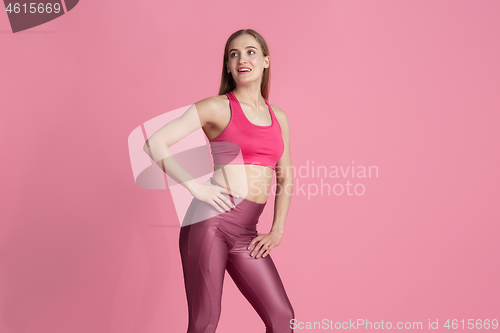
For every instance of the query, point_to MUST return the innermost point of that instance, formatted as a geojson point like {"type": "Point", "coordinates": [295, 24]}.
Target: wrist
{"type": "Point", "coordinates": [191, 184]}
{"type": "Point", "coordinates": [277, 231]}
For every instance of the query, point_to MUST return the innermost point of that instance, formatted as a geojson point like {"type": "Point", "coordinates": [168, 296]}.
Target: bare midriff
{"type": "Point", "coordinates": [251, 182]}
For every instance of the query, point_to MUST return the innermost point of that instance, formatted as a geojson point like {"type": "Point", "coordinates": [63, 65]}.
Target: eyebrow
{"type": "Point", "coordinates": [245, 48]}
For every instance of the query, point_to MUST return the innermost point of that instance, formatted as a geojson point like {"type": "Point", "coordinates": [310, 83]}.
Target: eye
{"type": "Point", "coordinates": [232, 54]}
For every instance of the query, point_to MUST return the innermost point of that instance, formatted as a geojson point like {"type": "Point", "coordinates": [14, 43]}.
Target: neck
{"type": "Point", "coordinates": [249, 95]}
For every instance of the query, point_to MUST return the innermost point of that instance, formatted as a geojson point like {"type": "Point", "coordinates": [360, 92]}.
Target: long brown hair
{"type": "Point", "coordinates": [227, 82]}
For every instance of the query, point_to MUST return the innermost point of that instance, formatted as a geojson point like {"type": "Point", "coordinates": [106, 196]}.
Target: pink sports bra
{"type": "Point", "coordinates": [243, 142]}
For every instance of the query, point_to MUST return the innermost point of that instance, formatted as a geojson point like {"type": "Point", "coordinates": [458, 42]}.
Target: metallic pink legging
{"type": "Point", "coordinates": [219, 243]}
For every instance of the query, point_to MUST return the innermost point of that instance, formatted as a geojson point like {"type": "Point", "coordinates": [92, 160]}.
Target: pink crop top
{"type": "Point", "coordinates": [243, 142]}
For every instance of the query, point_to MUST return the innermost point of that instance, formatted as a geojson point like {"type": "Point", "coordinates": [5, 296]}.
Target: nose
{"type": "Point", "coordinates": [242, 59]}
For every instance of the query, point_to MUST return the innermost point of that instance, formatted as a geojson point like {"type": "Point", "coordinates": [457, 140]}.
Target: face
{"type": "Point", "coordinates": [245, 51]}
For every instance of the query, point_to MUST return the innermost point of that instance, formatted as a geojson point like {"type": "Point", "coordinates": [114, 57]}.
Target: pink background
{"type": "Point", "coordinates": [411, 87]}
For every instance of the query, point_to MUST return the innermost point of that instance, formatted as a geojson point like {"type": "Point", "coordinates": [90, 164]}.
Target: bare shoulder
{"type": "Point", "coordinates": [212, 103]}
{"type": "Point", "coordinates": [280, 115]}
{"type": "Point", "coordinates": [211, 107]}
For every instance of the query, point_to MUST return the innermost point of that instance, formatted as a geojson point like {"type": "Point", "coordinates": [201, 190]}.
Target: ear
{"type": "Point", "coordinates": [266, 60]}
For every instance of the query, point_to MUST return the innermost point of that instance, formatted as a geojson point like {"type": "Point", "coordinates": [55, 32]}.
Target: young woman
{"type": "Point", "coordinates": [249, 139]}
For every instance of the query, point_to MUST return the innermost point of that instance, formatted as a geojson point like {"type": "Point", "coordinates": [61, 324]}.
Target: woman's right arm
{"type": "Point", "coordinates": [156, 146]}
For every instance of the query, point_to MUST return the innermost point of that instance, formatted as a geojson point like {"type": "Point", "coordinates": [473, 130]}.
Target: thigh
{"type": "Point", "coordinates": [203, 252]}
{"type": "Point", "coordinates": [204, 256]}
{"type": "Point", "coordinates": [260, 283]}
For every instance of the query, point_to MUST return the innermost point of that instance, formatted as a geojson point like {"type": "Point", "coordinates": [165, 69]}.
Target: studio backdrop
{"type": "Point", "coordinates": [393, 114]}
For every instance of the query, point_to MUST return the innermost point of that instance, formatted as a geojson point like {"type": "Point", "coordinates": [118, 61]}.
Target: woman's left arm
{"type": "Point", "coordinates": [284, 190]}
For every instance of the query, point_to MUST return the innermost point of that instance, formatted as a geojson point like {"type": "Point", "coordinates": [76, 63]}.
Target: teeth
{"type": "Point", "coordinates": [244, 70]}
